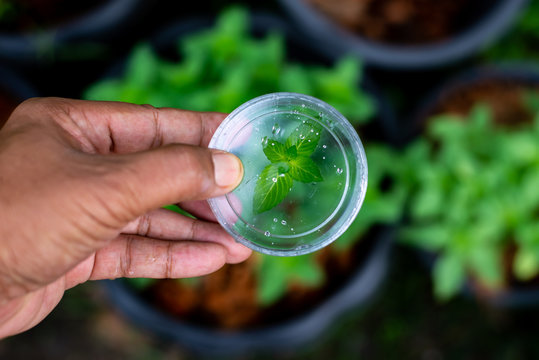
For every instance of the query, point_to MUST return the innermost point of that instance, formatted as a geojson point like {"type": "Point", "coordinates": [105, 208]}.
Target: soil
{"type": "Point", "coordinates": [400, 21]}
{"type": "Point", "coordinates": [28, 15]}
{"type": "Point", "coordinates": [504, 97]}
{"type": "Point", "coordinates": [7, 105]}
{"type": "Point", "coordinates": [227, 299]}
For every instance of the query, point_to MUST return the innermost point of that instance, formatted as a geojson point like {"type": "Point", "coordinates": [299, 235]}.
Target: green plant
{"type": "Point", "coordinates": [289, 161]}
{"type": "Point", "coordinates": [473, 193]}
{"type": "Point", "coordinates": [223, 67]}
{"type": "Point", "coordinates": [522, 41]}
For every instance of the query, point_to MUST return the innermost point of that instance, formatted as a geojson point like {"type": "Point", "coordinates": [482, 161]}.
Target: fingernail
{"type": "Point", "coordinates": [228, 169]}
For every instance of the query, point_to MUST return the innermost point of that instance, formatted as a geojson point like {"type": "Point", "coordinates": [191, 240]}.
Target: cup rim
{"type": "Point", "coordinates": [355, 201]}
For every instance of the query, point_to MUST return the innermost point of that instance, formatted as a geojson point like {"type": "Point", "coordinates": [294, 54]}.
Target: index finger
{"type": "Point", "coordinates": [105, 127]}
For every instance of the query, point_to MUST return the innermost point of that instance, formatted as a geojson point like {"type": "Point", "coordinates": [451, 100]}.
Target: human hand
{"type": "Point", "coordinates": [80, 183]}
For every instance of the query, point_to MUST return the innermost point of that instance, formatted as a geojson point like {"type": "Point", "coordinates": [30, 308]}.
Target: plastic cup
{"type": "Point", "coordinates": [285, 205]}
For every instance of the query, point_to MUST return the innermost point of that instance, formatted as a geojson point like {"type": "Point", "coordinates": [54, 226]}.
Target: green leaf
{"type": "Point", "coordinates": [292, 152]}
{"type": "Point", "coordinates": [304, 169]}
{"type": "Point", "coordinates": [271, 188]}
{"type": "Point", "coordinates": [305, 137]}
{"type": "Point", "coordinates": [526, 264]}
{"type": "Point", "coordinates": [449, 275]}
{"type": "Point", "coordinates": [274, 150]}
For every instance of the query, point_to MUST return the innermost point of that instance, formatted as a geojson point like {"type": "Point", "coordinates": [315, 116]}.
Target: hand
{"type": "Point", "coordinates": [80, 183]}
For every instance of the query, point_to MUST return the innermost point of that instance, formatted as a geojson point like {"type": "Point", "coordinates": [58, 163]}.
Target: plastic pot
{"type": "Point", "coordinates": [295, 333]}
{"type": "Point", "coordinates": [525, 74]}
{"type": "Point", "coordinates": [335, 41]}
{"type": "Point", "coordinates": [83, 38]}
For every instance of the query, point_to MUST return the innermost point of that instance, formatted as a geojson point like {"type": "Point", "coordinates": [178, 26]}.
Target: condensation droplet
{"type": "Point", "coordinates": [276, 129]}
{"type": "Point", "coordinates": [274, 179]}
{"type": "Point", "coordinates": [323, 158]}
{"type": "Point", "coordinates": [339, 171]}
{"type": "Point", "coordinates": [321, 114]}
{"type": "Point", "coordinates": [275, 219]}
{"type": "Point", "coordinates": [291, 229]}
{"type": "Point", "coordinates": [324, 146]}
{"type": "Point", "coordinates": [267, 233]}
{"type": "Point", "coordinates": [302, 105]}
{"type": "Point", "coordinates": [283, 222]}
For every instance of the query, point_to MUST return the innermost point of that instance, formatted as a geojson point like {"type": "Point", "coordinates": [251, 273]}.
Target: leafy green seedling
{"type": "Point", "coordinates": [289, 161]}
{"type": "Point", "coordinates": [473, 194]}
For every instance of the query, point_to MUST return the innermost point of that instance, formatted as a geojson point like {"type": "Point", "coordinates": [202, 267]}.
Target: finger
{"type": "Point", "coordinates": [199, 209]}
{"type": "Point", "coordinates": [135, 184]}
{"type": "Point", "coordinates": [135, 256]}
{"type": "Point", "coordinates": [105, 127]}
{"type": "Point", "coordinates": [168, 225]}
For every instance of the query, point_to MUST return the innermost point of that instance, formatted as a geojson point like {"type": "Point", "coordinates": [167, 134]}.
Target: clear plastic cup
{"type": "Point", "coordinates": [305, 174]}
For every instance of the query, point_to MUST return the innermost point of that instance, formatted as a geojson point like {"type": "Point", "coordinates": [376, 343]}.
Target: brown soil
{"type": "Point", "coordinates": [7, 105]}
{"type": "Point", "coordinates": [227, 298]}
{"type": "Point", "coordinates": [398, 21]}
{"type": "Point", "coordinates": [25, 15]}
{"type": "Point", "coordinates": [505, 98]}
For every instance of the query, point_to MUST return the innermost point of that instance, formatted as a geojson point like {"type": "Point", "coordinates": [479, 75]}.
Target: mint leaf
{"type": "Point", "coordinates": [292, 152]}
{"type": "Point", "coordinates": [274, 150]}
{"type": "Point", "coordinates": [305, 137]}
{"type": "Point", "coordinates": [271, 188]}
{"type": "Point", "coordinates": [305, 170]}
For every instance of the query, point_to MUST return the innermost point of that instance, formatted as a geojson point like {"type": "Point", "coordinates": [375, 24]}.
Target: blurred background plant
{"type": "Point", "coordinates": [474, 199]}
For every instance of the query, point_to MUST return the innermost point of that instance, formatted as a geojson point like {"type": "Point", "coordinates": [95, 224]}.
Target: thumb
{"type": "Point", "coordinates": [170, 174]}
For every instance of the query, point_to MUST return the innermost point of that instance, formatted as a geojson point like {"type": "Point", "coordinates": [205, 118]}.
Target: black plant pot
{"type": "Point", "coordinates": [293, 334]}
{"type": "Point", "coordinates": [15, 88]}
{"type": "Point", "coordinates": [335, 41]}
{"type": "Point", "coordinates": [525, 74]}
{"type": "Point", "coordinates": [304, 328]}
{"type": "Point", "coordinates": [88, 37]}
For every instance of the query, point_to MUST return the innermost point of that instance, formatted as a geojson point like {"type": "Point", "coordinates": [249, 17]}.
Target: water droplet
{"type": "Point", "coordinates": [301, 136]}
{"type": "Point", "coordinates": [291, 229]}
{"type": "Point", "coordinates": [276, 129]}
{"type": "Point", "coordinates": [323, 158]}
{"type": "Point", "coordinates": [303, 122]}
{"type": "Point", "coordinates": [317, 133]}
{"type": "Point", "coordinates": [334, 165]}
{"type": "Point", "coordinates": [275, 219]}
{"type": "Point", "coordinates": [272, 144]}
{"type": "Point", "coordinates": [274, 179]}
{"type": "Point", "coordinates": [302, 105]}
{"type": "Point", "coordinates": [339, 171]}
{"type": "Point", "coordinates": [321, 114]}
{"type": "Point", "coordinates": [267, 233]}
{"type": "Point", "coordinates": [312, 130]}
{"type": "Point", "coordinates": [324, 146]}
{"type": "Point", "coordinates": [283, 222]}
{"type": "Point", "coordinates": [309, 140]}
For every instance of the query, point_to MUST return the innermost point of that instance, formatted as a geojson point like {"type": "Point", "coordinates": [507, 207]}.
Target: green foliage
{"type": "Point", "coordinates": [276, 274]}
{"type": "Point", "coordinates": [474, 190]}
{"type": "Point", "coordinates": [288, 162]}
{"type": "Point", "coordinates": [225, 66]}
{"type": "Point", "coordinates": [522, 41]}
{"type": "Point", "coordinates": [385, 196]}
